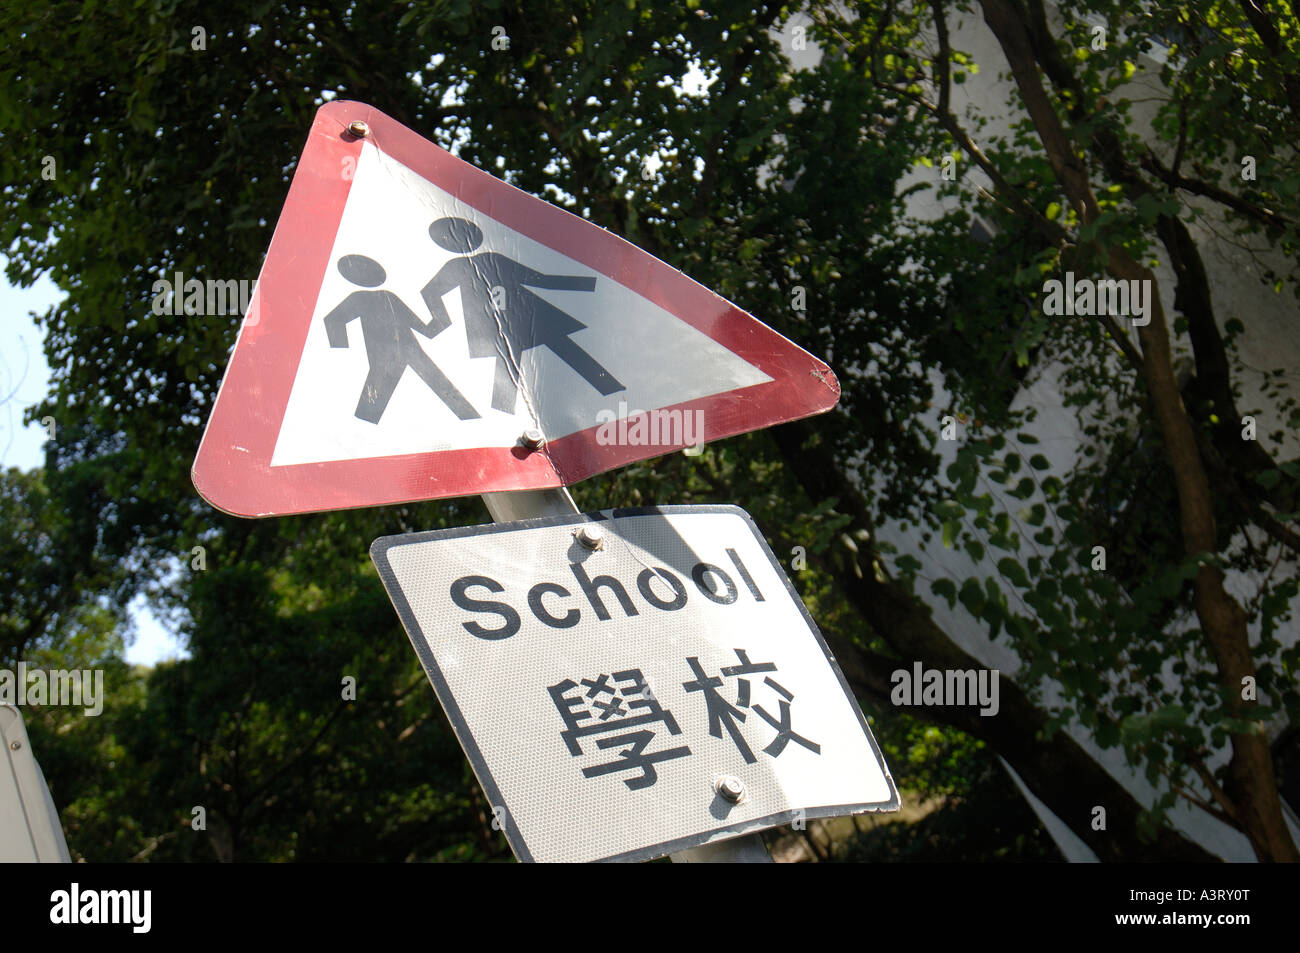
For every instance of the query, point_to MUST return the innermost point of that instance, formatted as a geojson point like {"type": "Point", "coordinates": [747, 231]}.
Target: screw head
{"type": "Point", "coordinates": [359, 128]}
{"type": "Point", "coordinates": [533, 438]}
{"type": "Point", "coordinates": [15, 745]}
{"type": "Point", "coordinates": [730, 787]}
{"type": "Point", "coordinates": [590, 535]}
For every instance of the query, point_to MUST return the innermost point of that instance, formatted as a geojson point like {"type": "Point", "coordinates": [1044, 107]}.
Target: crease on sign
{"type": "Point", "coordinates": [502, 344]}
{"type": "Point", "coordinates": [673, 632]}
{"type": "Point", "coordinates": [512, 361]}
{"type": "Point", "coordinates": [630, 550]}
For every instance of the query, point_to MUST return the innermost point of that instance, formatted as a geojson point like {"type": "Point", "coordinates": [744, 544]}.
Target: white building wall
{"type": "Point", "coordinates": [1271, 340]}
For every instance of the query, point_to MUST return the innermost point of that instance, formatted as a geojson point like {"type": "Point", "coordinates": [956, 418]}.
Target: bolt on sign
{"type": "Point", "coordinates": [632, 683]}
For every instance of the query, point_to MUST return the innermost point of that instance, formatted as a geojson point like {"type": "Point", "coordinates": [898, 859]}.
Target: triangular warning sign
{"type": "Point", "coordinates": [418, 325]}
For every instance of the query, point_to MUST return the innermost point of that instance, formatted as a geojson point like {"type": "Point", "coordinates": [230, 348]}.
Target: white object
{"type": "Point", "coordinates": [30, 831]}
{"type": "Point", "coordinates": [599, 695]}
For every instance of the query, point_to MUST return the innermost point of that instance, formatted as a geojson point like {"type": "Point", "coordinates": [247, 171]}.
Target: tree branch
{"type": "Point", "coordinates": [1257, 213]}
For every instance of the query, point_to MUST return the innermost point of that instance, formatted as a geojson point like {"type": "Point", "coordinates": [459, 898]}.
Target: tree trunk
{"type": "Point", "coordinates": [1223, 622]}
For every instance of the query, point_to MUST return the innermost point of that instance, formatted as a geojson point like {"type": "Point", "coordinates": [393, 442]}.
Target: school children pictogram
{"type": "Point", "coordinates": [503, 318]}
{"type": "Point", "coordinates": [415, 318]}
{"type": "Point", "coordinates": [389, 328]}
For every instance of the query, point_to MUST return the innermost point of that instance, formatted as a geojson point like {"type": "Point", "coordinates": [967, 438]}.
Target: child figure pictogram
{"type": "Point", "coordinates": [388, 327]}
{"type": "Point", "coordinates": [512, 320]}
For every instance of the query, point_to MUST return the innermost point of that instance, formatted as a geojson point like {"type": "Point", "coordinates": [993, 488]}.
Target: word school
{"type": "Point", "coordinates": [77, 689]}
{"type": "Point", "coordinates": [1089, 297]}
{"type": "Point", "coordinates": [713, 582]}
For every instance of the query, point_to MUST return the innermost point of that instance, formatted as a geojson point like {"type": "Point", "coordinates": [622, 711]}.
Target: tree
{"type": "Point", "coordinates": [1125, 194]}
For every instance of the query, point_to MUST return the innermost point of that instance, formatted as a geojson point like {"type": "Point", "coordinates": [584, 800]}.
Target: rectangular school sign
{"type": "Point", "coordinates": [662, 690]}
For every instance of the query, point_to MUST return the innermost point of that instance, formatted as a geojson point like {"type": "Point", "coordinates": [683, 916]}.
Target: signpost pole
{"type": "Point", "coordinates": [533, 504]}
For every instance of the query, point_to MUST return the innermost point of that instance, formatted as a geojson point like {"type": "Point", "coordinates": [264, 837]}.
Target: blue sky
{"type": "Point", "coordinates": [24, 381]}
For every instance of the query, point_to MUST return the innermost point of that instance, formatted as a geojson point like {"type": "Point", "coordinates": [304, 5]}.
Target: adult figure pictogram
{"type": "Point", "coordinates": [388, 326]}
{"type": "Point", "coordinates": [503, 318]}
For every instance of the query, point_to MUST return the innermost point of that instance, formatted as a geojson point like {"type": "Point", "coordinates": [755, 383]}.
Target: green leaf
{"type": "Point", "coordinates": [972, 597]}
{"type": "Point", "coordinates": [949, 510]}
{"type": "Point", "coordinates": [1023, 489]}
{"type": "Point", "coordinates": [1013, 571]}
{"type": "Point", "coordinates": [908, 565]}
{"type": "Point", "coordinates": [945, 589]}
{"type": "Point", "coordinates": [1268, 478]}
{"type": "Point", "coordinates": [951, 529]}
{"type": "Point", "coordinates": [1073, 588]}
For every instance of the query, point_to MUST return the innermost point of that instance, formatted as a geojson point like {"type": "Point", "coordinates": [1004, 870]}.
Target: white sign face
{"type": "Point", "coordinates": [611, 699]}
{"type": "Point", "coordinates": [605, 329]}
